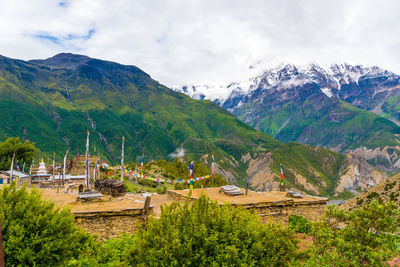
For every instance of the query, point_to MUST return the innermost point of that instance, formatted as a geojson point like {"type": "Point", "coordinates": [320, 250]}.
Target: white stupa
{"type": "Point", "coordinates": [42, 168]}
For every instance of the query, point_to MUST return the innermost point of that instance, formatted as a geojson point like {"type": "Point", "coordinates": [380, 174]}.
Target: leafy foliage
{"type": "Point", "coordinates": [108, 252]}
{"type": "Point", "coordinates": [299, 224]}
{"type": "Point", "coordinates": [205, 234]}
{"type": "Point", "coordinates": [35, 233]}
{"type": "Point", "coordinates": [356, 238]}
{"type": "Point", "coordinates": [23, 152]}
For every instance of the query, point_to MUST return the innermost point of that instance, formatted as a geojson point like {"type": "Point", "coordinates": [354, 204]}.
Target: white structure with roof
{"type": "Point", "coordinates": [42, 168]}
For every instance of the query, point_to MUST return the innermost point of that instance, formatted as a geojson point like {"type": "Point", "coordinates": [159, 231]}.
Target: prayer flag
{"type": "Point", "coordinates": [212, 166]}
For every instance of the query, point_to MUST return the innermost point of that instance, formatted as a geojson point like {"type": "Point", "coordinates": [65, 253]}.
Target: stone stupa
{"type": "Point", "coordinates": [42, 168]}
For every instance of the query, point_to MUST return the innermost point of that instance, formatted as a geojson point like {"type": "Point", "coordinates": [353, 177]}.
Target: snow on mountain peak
{"type": "Point", "coordinates": [265, 76]}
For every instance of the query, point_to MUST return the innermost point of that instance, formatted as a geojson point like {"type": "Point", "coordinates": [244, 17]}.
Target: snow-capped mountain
{"type": "Point", "coordinates": [347, 82]}
{"type": "Point", "coordinates": [329, 79]}
{"type": "Point", "coordinates": [321, 106]}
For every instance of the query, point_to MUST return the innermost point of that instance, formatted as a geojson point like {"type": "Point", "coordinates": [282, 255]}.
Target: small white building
{"type": "Point", "coordinates": [41, 174]}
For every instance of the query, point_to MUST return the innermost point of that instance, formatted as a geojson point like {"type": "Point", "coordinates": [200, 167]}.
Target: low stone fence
{"type": "Point", "coordinates": [279, 210]}
{"type": "Point", "coordinates": [106, 224]}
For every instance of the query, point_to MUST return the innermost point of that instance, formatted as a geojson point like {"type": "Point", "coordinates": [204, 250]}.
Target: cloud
{"type": "Point", "coordinates": [179, 42]}
{"type": "Point", "coordinates": [179, 153]}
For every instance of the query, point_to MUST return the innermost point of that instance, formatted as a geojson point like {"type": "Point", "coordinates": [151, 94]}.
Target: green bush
{"type": "Point", "coordinates": [373, 195]}
{"type": "Point", "coordinates": [207, 234]}
{"type": "Point", "coordinates": [179, 186]}
{"type": "Point", "coordinates": [35, 233]}
{"type": "Point", "coordinates": [358, 238]}
{"type": "Point", "coordinates": [161, 189]}
{"type": "Point", "coordinates": [109, 252]}
{"type": "Point", "coordinates": [360, 201]}
{"type": "Point", "coordinates": [299, 224]}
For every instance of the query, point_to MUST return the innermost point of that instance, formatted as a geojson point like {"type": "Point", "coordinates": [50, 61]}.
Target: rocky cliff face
{"type": "Point", "coordinates": [260, 175]}
{"type": "Point", "coordinates": [384, 192]}
{"type": "Point", "coordinates": [386, 158]}
{"type": "Point", "coordinates": [358, 174]}
{"type": "Point", "coordinates": [354, 173]}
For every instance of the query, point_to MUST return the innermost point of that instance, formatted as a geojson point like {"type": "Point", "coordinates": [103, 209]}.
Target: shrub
{"type": "Point", "coordinates": [373, 195]}
{"type": "Point", "coordinates": [35, 232]}
{"type": "Point", "coordinates": [179, 186]}
{"type": "Point", "coordinates": [161, 189]}
{"type": "Point", "coordinates": [205, 233]}
{"type": "Point", "coordinates": [109, 252]}
{"type": "Point", "coordinates": [361, 237]}
{"type": "Point", "coordinates": [299, 224]}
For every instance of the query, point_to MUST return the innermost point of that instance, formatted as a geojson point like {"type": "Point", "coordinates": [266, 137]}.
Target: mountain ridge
{"type": "Point", "coordinates": [344, 107]}
{"type": "Point", "coordinates": [53, 105]}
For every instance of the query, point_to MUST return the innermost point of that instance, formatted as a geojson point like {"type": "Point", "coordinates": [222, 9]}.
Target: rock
{"type": "Point", "coordinates": [294, 193]}
{"type": "Point", "coordinates": [358, 174]}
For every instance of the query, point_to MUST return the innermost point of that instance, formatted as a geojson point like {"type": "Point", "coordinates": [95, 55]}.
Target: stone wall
{"type": "Point", "coordinates": [106, 224]}
{"type": "Point", "coordinates": [278, 211]}
{"type": "Point", "coordinates": [281, 213]}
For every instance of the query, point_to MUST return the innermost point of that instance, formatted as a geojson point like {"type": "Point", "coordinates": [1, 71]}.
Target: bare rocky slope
{"type": "Point", "coordinates": [389, 190]}
{"type": "Point", "coordinates": [353, 173]}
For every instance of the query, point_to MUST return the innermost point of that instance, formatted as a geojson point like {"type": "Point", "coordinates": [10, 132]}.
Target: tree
{"type": "Point", "coordinates": [361, 237]}
{"type": "Point", "coordinates": [35, 233]}
{"type": "Point", "coordinates": [207, 234]}
{"type": "Point", "coordinates": [23, 152]}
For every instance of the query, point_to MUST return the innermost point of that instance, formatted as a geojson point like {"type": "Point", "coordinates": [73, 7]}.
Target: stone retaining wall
{"type": "Point", "coordinates": [106, 224]}
{"type": "Point", "coordinates": [277, 210]}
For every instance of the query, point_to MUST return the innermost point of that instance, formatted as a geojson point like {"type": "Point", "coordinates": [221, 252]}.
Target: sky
{"type": "Point", "coordinates": [205, 41]}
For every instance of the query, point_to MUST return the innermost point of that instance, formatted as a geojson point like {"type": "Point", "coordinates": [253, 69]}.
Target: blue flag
{"type": "Point", "coordinates": [191, 169]}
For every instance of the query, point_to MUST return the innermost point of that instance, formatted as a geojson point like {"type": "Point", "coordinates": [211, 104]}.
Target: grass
{"type": "Point", "coordinates": [345, 195]}
{"type": "Point", "coordinates": [137, 188]}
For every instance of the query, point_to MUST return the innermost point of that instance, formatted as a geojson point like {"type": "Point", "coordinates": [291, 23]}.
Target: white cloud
{"type": "Point", "coordinates": [180, 42]}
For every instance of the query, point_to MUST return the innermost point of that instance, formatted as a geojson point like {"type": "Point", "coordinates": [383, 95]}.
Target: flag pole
{"type": "Point", "coordinates": [98, 169]}
{"type": "Point", "coordinates": [12, 167]}
{"type": "Point", "coordinates": [30, 169]}
{"type": "Point", "coordinates": [141, 165]}
{"type": "Point", "coordinates": [122, 160]}
{"type": "Point", "coordinates": [87, 160]}
{"type": "Point", "coordinates": [65, 163]}
{"type": "Point", "coordinates": [212, 170]}
{"type": "Point", "coordinates": [191, 183]}
{"type": "Point", "coordinates": [282, 179]}
{"type": "Point", "coordinates": [54, 159]}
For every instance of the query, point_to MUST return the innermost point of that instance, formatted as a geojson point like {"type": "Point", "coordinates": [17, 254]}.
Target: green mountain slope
{"type": "Point", "coordinates": [322, 121]}
{"type": "Point", "coordinates": [53, 102]}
